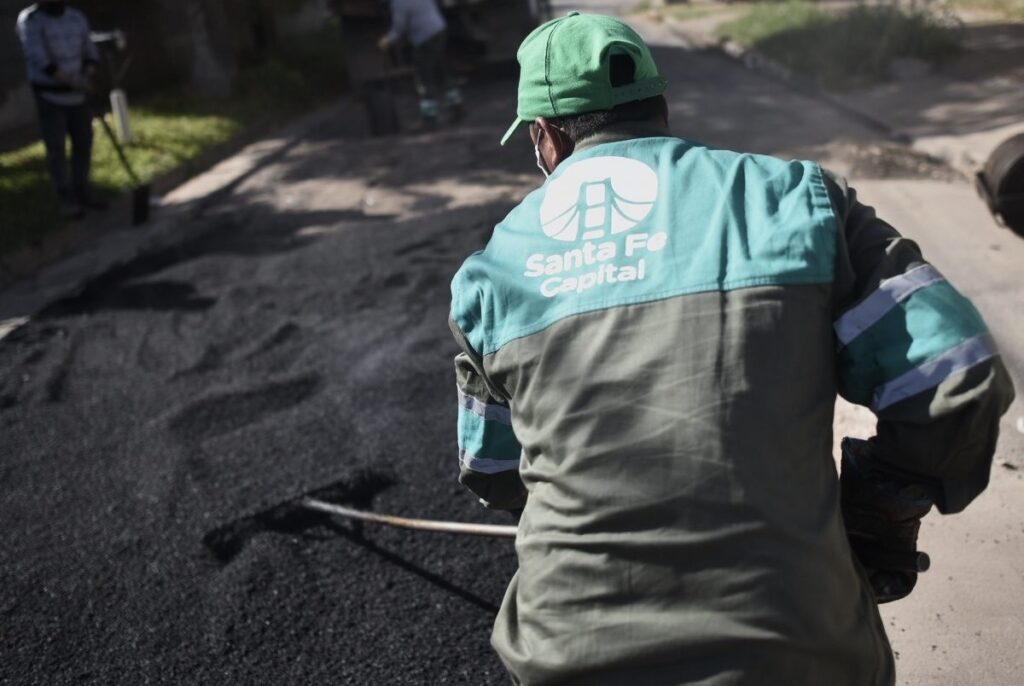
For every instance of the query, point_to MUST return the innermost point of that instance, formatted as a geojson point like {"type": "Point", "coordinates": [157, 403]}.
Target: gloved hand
{"type": "Point", "coordinates": [79, 82]}
{"type": "Point", "coordinates": [882, 511]}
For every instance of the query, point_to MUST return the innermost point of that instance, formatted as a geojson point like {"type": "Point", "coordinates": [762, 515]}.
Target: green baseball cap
{"type": "Point", "coordinates": [564, 68]}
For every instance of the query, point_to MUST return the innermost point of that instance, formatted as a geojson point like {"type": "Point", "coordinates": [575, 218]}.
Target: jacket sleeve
{"type": "Point", "coordinates": [32, 43]}
{"type": "Point", "coordinates": [489, 452]}
{"type": "Point", "coordinates": [90, 53]}
{"type": "Point", "coordinates": [918, 354]}
{"type": "Point", "coordinates": [400, 14]}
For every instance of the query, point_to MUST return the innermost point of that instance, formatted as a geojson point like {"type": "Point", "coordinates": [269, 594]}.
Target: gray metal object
{"type": "Point", "coordinates": [1001, 182]}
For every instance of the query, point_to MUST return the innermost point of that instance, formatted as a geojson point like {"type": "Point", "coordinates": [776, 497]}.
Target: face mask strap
{"type": "Point", "coordinates": [540, 161]}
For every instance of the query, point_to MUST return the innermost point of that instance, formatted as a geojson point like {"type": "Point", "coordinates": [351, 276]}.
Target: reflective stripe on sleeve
{"type": "Point", "coordinates": [890, 293]}
{"type": "Point", "coordinates": [486, 443]}
{"type": "Point", "coordinates": [936, 370]}
{"type": "Point", "coordinates": [485, 465]}
{"type": "Point", "coordinates": [497, 413]}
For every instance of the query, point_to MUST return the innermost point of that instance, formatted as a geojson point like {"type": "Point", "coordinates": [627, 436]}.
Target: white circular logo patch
{"type": "Point", "coordinates": [597, 197]}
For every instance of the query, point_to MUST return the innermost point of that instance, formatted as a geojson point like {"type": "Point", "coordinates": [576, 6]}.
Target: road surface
{"type": "Point", "coordinates": [297, 342]}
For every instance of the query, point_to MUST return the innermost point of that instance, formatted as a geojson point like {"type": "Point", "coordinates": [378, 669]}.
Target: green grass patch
{"type": "Point", "coordinates": [844, 48]}
{"type": "Point", "coordinates": [171, 130]}
{"type": "Point", "coordinates": [686, 10]}
{"type": "Point", "coordinates": [166, 138]}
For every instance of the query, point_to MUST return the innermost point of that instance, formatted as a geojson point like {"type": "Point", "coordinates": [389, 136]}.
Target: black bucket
{"type": "Point", "coordinates": [140, 204]}
{"type": "Point", "coordinates": [140, 193]}
{"type": "Point", "coordinates": [1001, 182]}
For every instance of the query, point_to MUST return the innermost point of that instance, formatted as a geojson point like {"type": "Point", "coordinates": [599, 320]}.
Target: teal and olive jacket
{"type": "Point", "coordinates": [652, 346]}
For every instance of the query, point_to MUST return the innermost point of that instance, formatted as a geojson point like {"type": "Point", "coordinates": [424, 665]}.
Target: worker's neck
{"type": "Point", "coordinates": [623, 131]}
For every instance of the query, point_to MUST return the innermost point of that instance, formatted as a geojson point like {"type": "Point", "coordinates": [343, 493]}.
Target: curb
{"type": "Point", "coordinates": [173, 223]}
{"type": "Point", "coordinates": [754, 61]}
{"type": "Point", "coordinates": [27, 262]}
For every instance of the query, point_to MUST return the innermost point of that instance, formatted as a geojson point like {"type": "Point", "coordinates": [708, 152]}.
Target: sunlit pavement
{"type": "Point", "coordinates": [964, 622]}
{"type": "Point", "coordinates": [298, 340]}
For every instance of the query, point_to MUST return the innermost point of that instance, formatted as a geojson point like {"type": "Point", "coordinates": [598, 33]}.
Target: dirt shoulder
{"type": "Point", "coordinates": [957, 109]}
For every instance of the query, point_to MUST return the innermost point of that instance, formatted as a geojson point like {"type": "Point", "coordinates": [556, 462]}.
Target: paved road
{"type": "Point", "coordinates": [964, 623]}
{"type": "Point", "coordinates": [298, 342]}
{"type": "Point", "coordinates": [965, 620]}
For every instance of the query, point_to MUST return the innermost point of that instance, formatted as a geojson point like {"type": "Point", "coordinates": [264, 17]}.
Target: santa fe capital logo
{"type": "Point", "coordinates": [590, 202]}
{"type": "Point", "coordinates": [597, 197]}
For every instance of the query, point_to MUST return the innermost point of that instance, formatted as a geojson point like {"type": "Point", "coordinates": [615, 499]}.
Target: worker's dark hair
{"type": "Point", "coordinates": [580, 126]}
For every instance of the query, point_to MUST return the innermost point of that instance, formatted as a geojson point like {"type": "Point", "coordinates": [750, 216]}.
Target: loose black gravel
{"type": "Point", "coordinates": [155, 426]}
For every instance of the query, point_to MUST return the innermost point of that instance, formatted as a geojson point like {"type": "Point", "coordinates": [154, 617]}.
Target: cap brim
{"type": "Point", "coordinates": [512, 129]}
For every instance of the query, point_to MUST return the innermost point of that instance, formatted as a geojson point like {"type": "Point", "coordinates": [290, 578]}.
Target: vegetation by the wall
{"type": "Point", "coordinates": [844, 48]}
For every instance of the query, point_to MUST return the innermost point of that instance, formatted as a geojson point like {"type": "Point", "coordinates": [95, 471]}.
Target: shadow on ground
{"type": "Point", "coordinates": [298, 339]}
{"type": "Point", "coordinates": [980, 89]}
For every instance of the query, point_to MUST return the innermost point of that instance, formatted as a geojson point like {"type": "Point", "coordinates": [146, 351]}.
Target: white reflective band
{"type": "Point", "coordinates": [485, 465]}
{"type": "Point", "coordinates": [936, 370]}
{"type": "Point", "coordinates": [889, 294]}
{"type": "Point", "coordinates": [497, 413]}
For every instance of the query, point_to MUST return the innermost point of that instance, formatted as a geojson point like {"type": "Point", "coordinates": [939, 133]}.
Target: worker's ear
{"type": "Point", "coordinates": [553, 143]}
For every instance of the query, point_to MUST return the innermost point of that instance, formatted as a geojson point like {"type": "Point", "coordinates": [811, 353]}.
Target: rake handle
{"type": "Point", "coordinates": [120, 151]}
{"type": "Point", "coordinates": [490, 530]}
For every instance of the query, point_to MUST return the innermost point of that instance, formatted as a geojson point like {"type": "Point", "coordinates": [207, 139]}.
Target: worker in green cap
{"type": "Point", "coordinates": [652, 345]}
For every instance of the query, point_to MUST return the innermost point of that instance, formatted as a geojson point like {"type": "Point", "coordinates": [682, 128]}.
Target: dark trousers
{"type": "Point", "coordinates": [56, 123]}
{"type": "Point", "coordinates": [432, 78]}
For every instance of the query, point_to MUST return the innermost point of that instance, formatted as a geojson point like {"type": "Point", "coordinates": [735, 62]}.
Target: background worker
{"type": "Point", "coordinates": [61, 61]}
{"type": "Point", "coordinates": [652, 344]}
{"type": "Point", "coordinates": [422, 24]}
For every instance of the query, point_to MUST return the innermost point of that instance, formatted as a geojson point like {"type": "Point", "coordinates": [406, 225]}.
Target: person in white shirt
{"type": "Point", "coordinates": [422, 24]}
{"type": "Point", "coordinates": [61, 61]}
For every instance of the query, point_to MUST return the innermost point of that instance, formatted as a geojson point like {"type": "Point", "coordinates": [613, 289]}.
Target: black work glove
{"type": "Point", "coordinates": [882, 511]}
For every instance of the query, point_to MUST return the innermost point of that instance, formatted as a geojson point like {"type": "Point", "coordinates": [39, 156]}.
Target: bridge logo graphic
{"type": "Point", "coordinates": [597, 197]}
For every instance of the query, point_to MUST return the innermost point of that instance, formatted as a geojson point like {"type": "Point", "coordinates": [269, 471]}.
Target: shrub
{"type": "Point", "coordinates": [848, 47]}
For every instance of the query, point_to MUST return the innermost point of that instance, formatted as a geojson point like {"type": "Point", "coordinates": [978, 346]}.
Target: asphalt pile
{"type": "Point", "coordinates": [204, 386]}
{"type": "Point", "coordinates": [156, 425]}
